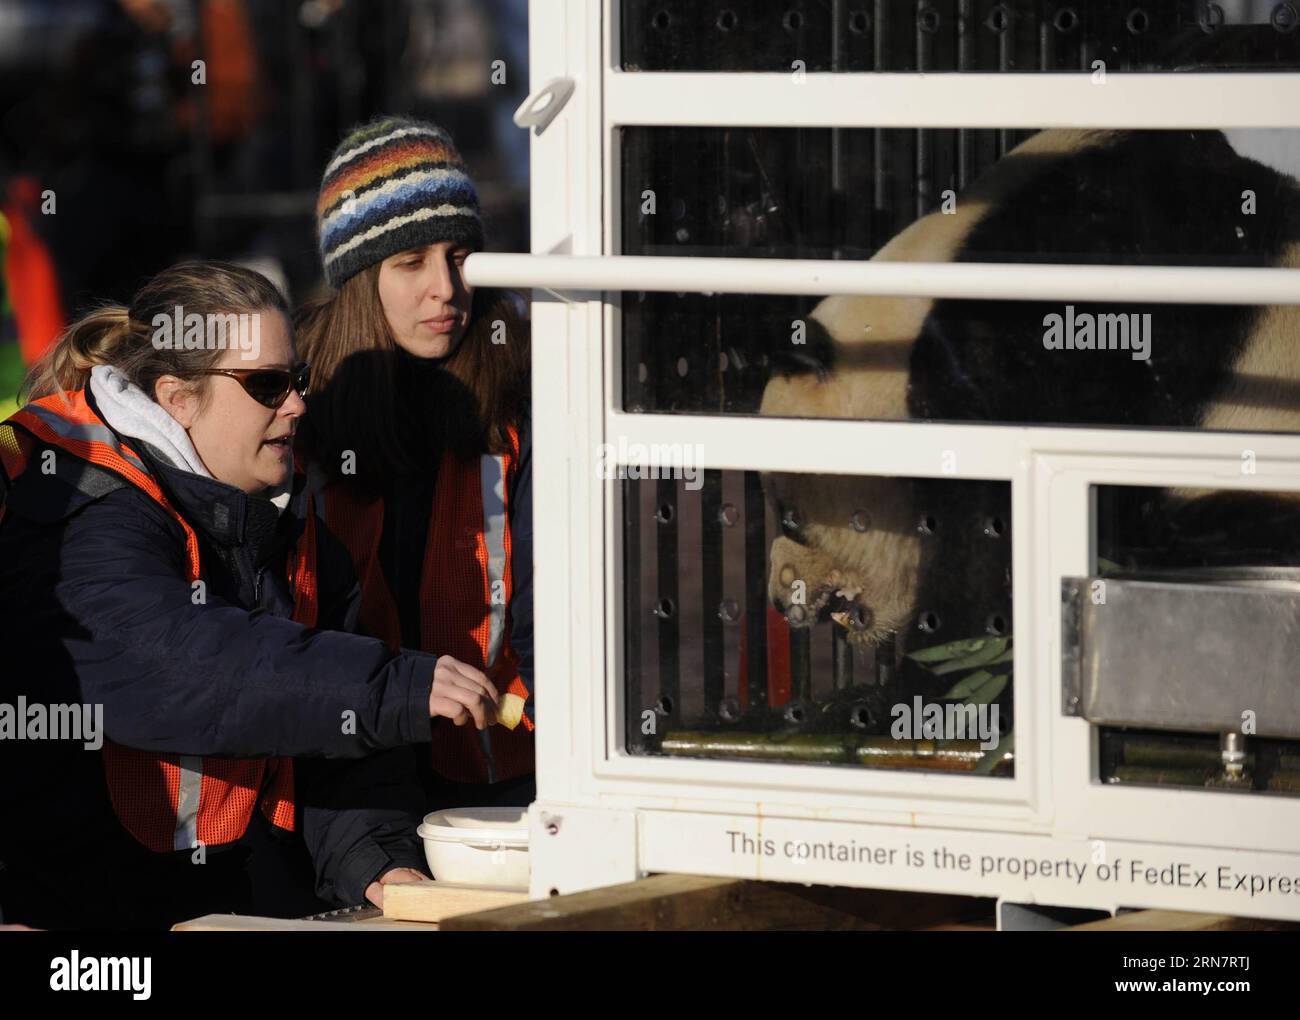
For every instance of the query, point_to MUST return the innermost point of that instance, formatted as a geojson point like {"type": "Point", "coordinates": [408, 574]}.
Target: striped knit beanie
{"type": "Point", "coordinates": [393, 184]}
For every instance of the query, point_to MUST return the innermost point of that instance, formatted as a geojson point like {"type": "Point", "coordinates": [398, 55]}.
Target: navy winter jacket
{"type": "Point", "coordinates": [96, 607]}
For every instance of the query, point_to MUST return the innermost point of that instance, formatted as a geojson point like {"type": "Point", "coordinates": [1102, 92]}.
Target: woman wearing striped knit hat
{"type": "Point", "coordinates": [417, 434]}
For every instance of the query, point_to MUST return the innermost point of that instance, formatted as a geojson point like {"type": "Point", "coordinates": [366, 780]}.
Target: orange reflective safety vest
{"type": "Point", "coordinates": [466, 584]}
{"type": "Point", "coordinates": [166, 801]}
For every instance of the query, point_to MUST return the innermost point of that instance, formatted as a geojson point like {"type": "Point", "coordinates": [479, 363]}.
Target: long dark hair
{"type": "Point", "coordinates": [394, 413]}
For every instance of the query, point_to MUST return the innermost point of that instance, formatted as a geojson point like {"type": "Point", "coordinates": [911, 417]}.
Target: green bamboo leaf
{"type": "Point", "coordinates": [991, 650]}
{"type": "Point", "coordinates": [969, 684]}
{"type": "Point", "coordinates": [986, 692]}
{"type": "Point", "coordinates": [939, 653]}
{"type": "Point", "coordinates": [989, 761]}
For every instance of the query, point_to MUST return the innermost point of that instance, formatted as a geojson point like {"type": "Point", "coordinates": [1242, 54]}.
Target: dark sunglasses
{"type": "Point", "coordinates": [268, 386]}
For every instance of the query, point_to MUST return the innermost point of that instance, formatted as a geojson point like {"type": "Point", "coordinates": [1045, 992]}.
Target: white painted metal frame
{"type": "Point", "coordinates": [974, 280]}
{"type": "Point", "coordinates": [666, 804]}
{"type": "Point", "coordinates": [886, 100]}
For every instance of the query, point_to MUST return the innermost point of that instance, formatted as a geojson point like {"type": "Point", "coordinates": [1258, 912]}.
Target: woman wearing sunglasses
{"type": "Point", "coordinates": [191, 728]}
{"type": "Point", "coordinates": [419, 424]}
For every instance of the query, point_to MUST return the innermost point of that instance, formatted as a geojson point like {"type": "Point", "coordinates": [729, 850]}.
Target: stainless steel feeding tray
{"type": "Point", "coordinates": [1212, 650]}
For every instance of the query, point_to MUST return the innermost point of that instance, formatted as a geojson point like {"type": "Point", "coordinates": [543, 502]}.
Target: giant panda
{"type": "Point", "coordinates": [861, 548]}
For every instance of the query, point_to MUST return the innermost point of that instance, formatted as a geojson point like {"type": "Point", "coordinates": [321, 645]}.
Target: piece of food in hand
{"type": "Point", "coordinates": [510, 710]}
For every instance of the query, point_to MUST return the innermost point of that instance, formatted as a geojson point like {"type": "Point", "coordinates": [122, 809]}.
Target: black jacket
{"type": "Point", "coordinates": [96, 608]}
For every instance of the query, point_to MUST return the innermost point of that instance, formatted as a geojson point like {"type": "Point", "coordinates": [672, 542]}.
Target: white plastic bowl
{"type": "Point", "coordinates": [478, 846]}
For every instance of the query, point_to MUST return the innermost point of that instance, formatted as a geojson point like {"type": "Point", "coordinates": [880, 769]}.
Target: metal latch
{"type": "Point", "coordinates": [1202, 651]}
{"type": "Point", "coordinates": [544, 105]}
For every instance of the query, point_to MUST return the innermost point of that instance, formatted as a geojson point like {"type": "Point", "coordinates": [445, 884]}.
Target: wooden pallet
{"type": "Point", "coordinates": [408, 906]}
{"type": "Point", "coordinates": [696, 903]}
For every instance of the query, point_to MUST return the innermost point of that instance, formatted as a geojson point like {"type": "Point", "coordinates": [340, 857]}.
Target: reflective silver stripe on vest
{"type": "Point", "coordinates": [492, 475]}
{"type": "Point", "coordinates": [90, 433]}
{"type": "Point", "coordinates": [187, 802]}
{"type": "Point", "coordinates": [492, 481]}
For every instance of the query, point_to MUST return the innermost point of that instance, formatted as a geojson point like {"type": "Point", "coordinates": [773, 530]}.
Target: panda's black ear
{"type": "Point", "coordinates": [811, 351]}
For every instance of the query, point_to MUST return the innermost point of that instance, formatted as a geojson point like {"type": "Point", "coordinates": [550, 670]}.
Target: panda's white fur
{"type": "Point", "coordinates": [1264, 392]}
{"type": "Point", "coordinates": [879, 569]}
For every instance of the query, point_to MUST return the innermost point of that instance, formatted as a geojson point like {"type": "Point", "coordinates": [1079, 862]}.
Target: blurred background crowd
{"type": "Point", "coordinates": [134, 133]}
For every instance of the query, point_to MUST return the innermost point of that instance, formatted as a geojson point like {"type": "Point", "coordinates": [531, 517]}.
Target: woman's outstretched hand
{"type": "Point", "coordinates": [461, 692]}
{"type": "Point", "coordinates": [375, 890]}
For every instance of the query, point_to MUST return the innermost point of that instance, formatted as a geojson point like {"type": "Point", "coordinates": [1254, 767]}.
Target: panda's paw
{"type": "Point", "coordinates": [808, 588]}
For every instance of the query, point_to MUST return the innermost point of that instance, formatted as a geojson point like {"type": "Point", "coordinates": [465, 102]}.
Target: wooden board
{"type": "Point", "coordinates": [693, 903]}
{"type": "Point", "coordinates": [1177, 920]}
{"type": "Point", "coordinates": [699, 903]}
{"type": "Point", "coordinates": [244, 922]}
{"type": "Point", "coordinates": [432, 901]}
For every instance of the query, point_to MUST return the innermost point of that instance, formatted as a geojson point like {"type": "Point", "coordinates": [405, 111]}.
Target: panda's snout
{"type": "Point", "coordinates": [850, 614]}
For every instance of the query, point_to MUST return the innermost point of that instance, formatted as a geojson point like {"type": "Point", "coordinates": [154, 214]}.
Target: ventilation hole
{"type": "Point", "coordinates": [927, 18]}
{"type": "Point", "coordinates": [1138, 21]}
{"type": "Point", "coordinates": [729, 709]}
{"type": "Point", "coordinates": [860, 716]}
{"type": "Point", "coordinates": [664, 609]}
{"type": "Point", "coordinates": [664, 706]}
{"type": "Point", "coordinates": [1066, 20]}
{"type": "Point", "coordinates": [861, 520]}
{"type": "Point", "coordinates": [679, 208]}
{"type": "Point", "coordinates": [860, 22]}
{"type": "Point", "coordinates": [728, 611]}
{"type": "Point", "coordinates": [860, 617]}
{"type": "Point", "coordinates": [927, 524]}
{"type": "Point", "coordinates": [682, 234]}
{"type": "Point", "coordinates": [997, 624]}
{"type": "Point", "coordinates": [1285, 18]}
{"type": "Point", "coordinates": [795, 713]}
{"type": "Point", "coordinates": [796, 615]}
{"type": "Point", "coordinates": [727, 20]}
{"type": "Point", "coordinates": [1211, 18]}
{"type": "Point", "coordinates": [929, 622]}
{"type": "Point", "coordinates": [664, 514]}
{"type": "Point", "coordinates": [791, 519]}
{"type": "Point", "coordinates": [683, 366]}
{"type": "Point", "coordinates": [999, 19]}
{"type": "Point", "coordinates": [728, 515]}
{"type": "Point", "coordinates": [994, 528]}
{"type": "Point", "coordinates": [793, 21]}
{"type": "Point", "coordinates": [661, 21]}
{"type": "Point", "coordinates": [555, 892]}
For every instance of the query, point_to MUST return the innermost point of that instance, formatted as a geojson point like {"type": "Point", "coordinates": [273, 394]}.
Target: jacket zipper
{"type": "Point", "coordinates": [485, 740]}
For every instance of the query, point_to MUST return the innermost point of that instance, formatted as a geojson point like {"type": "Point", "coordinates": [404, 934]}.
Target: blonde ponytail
{"type": "Point", "coordinates": [100, 338]}
{"type": "Point", "coordinates": [124, 337]}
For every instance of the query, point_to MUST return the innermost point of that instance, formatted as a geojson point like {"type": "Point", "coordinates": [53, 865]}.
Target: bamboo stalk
{"type": "Point", "coordinates": [1158, 775]}
{"type": "Point", "coordinates": [1167, 754]}
{"type": "Point", "coordinates": [1284, 781]}
{"type": "Point", "coordinates": [847, 749]}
